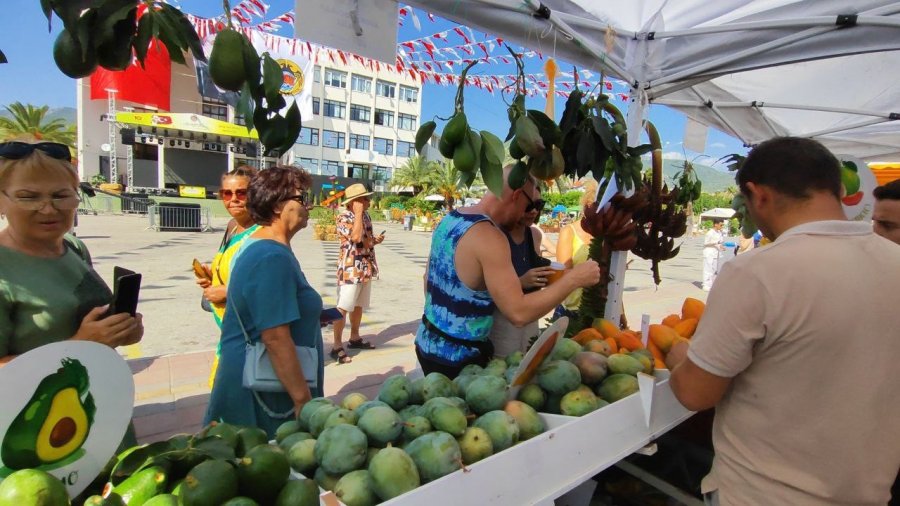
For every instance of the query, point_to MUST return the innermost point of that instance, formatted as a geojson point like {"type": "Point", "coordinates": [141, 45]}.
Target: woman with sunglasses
{"type": "Point", "coordinates": [269, 300]}
{"type": "Point", "coordinates": [235, 185]}
{"type": "Point", "coordinates": [524, 245]}
{"type": "Point", "coordinates": [49, 291]}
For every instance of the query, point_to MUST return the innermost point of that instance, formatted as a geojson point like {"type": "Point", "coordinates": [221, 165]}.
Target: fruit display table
{"type": "Point", "coordinates": [569, 453]}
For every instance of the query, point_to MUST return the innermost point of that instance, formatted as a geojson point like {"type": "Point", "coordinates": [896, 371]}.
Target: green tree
{"type": "Point", "coordinates": [28, 120]}
{"type": "Point", "coordinates": [416, 173]}
{"type": "Point", "coordinates": [444, 181]}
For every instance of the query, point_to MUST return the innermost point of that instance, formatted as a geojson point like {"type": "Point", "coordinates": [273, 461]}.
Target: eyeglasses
{"type": "Point", "coordinates": [534, 205]}
{"type": "Point", "coordinates": [236, 194]}
{"type": "Point", "coordinates": [66, 203]}
{"type": "Point", "coordinates": [302, 198]}
{"type": "Point", "coordinates": [15, 150]}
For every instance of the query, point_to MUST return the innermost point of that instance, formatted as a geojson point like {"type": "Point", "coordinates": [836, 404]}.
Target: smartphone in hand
{"type": "Point", "coordinates": [200, 272]}
{"type": "Point", "coordinates": [126, 289]}
{"type": "Point", "coordinates": [382, 232]}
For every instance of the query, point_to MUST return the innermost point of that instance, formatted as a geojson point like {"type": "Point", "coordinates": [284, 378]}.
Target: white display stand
{"type": "Point", "coordinates": [568, 454]}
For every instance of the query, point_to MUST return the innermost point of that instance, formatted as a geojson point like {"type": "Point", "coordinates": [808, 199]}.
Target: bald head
{"type": "Point", "coordinates": [509, 208]}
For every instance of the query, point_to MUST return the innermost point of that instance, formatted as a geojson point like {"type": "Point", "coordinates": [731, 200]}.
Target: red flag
{"type": "Point", "coordinates": [462, 34]}
{"type": "Point", "coordinates": [150, 85]}
{"type": "Point", "coordinates": [608, 85]}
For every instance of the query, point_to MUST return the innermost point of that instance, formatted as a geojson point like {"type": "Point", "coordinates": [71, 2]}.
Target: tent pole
{"type": "Point", "coordinates": [776, 105]}
{"type": "Point", "coordinates": [810, 22]}
{"type": "Point", "coordinates": [712, 107]}
{"type": "Point", "coordinates": [844, 128]}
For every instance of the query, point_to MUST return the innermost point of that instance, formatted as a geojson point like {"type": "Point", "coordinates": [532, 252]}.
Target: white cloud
{"type": "Point", "coordinates": [717, 145]}
{"type": "Point", "coordinates": [673, 155]}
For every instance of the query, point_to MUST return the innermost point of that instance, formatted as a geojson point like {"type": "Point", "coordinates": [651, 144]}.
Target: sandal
{"type": "Point", "coordinates": [360, 344]}
{"type": "Point", "coordinates": [340, 356]}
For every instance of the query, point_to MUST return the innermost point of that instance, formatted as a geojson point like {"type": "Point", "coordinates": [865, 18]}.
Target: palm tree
{"type": "Point", "coordinates": [444, 181]}
{"type": "Point", "coordinates": [29, 121]}
{"type": "Point", "coordinates": [416, 172]}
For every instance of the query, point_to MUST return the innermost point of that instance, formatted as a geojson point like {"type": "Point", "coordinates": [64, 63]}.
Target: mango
{"type": "Point", "coordinates": [293, 439]}
{"type": "Point", "coordinates": [353, 400]}
{"type": "Point", "coordinates": [286, 429]}
{"type": "Point", "coordinates": [393, 473]}
{"type": "Point", "coordinates": [341, 449]}
{"type": "Point", "coordinates": [501, 427]}
{"type": "Point", "coordinates": [303, 492]}
{"type": "Point", "coordinates": [438, 385]}
{"type": "Point", "coordinates": [302, 457]}
{"type": "Point", "coordinates": [362, 408]}
{"type": "Point", "coordinates": [416, 426]}
{"type": "Point", "coordinates": [310, 408]}
{"type": "Point", "coordinates": [317, 421]}
{"type": "Point", "coordinates": [411, 411]}
{"type": "Point", "coordinates": [529, 422]}
{"type": "Point", "coordinates": [381, 425]}
{"type": "Point", "coordinates": [558, 377]}
{"type": "Point", "coordinates": [564, 349]}
{"type": "Point", "coordinates": [533, 395]}
{"type": "Point", "coordinates": [624, 364]}
{"type": "Point", "coordinates": [396, 391]}
{"type": "Point", "coordinates": [598, 346]}
{"type": "Point", "coordinates": [592, 366]}
{"type": "Point", "coordinates": [463, 381]}
{"type": "Point", "coordinates": [578, 403]}
{"type": "Point", "coordinates": [692, 308]}
{"type": "Point", "coordinates": [617, 386]}
{"type": "Point", "coordinates": [356, 489]}
{"type": "Point", "coordinates": [514, 358]}
{"type": "Point", "coordinates": [475, 444]}
{"type": "Point", "coordinates": [326, 480]}
{"type": "Point", "coordinates": [340, 416]}
{"type": "Point", "coordinates": [486, 393]}
{"type": "Point", "coordinates": [473, 369]}
{"type": "Point", "coordinates": [456, 129]}
{"type": "Point", "coordinates": [226, 63]}
{"type": "Point", "coordinates": [449, 419]}
{"type": "Point", "coordinates": [415, 392]}
{"type": "Point", "coordinates": [436, 454]}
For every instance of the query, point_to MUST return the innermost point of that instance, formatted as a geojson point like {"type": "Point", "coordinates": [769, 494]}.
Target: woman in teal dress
{"type": "Point", "coordinates": [269, 294]}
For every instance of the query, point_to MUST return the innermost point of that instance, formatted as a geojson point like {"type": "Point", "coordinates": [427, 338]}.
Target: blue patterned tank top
{"type": "Point", "coordinates": [451, 306]}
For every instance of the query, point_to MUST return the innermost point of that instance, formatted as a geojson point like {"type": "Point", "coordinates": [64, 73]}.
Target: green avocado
{"type": "Point", "coordinates": [54, 423]}
{"type": "Point", "coordinates": [142, 485]}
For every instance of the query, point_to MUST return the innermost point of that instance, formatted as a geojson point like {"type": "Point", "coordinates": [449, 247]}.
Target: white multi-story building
{"type": "Point", "coordinates": [363, 127]}
{"type": "Point", "coordinates": [364, 122]}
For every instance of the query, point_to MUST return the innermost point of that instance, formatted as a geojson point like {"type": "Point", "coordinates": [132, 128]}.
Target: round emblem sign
{"type": "Point", "coordinates": [292, 77]}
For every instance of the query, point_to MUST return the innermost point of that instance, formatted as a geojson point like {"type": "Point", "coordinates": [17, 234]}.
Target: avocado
{"type": "Point", "coordinates": [33, 487]}
{"type": "Point", "coordinates": [249, 438]}
{"type": "Point", "coordinates": [303, 492]}
{"type": "Point", "coordinates": [209, 483]}
{"type": "Point", "coordinates": [240, 501]}
{"type": "Point", "coordinates": [142, 485]}
{"type": "Point", "coordinates": [113, 499]}
{"type": "Point", "coordinates": [262, 472]}
{"type": "Point", "coordinates": [54, 423]}
{"type": "Point", "coordinates": [226, 62]}
{"type": "Point", "coordinates": [69, 57]}
{"type": "Point", "coordinates": [164, 500]}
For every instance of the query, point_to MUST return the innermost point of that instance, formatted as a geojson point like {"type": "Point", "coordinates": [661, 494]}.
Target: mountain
{"type": "Point", "coordinates": [713, 180]}
{"type": "Point", "coordinates": [68, 114]}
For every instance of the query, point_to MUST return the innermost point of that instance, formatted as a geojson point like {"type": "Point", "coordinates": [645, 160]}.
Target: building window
{"type": "Point", "coordinates": [317, 74]}
{"type": "Point", "coordinates": [335, 78]}
{"type": "Point", "coordinates": [361, 84]}
{"type": "Point", "coordinates": [213, 108]}
{"type": "Point", "coordinates": [384, 118]}
{"type": "Point", "coordinates": [384, 146]}
{"type": "Point", "coordinates": [358, 171]}
{"type": "Point", "coordinates": [316, 106]}
{"type": "Point", "coordinates": [406, 149]}
{"type": "Point", "coordinates": [360, 113]}
{"type": "Point", "coordinates": [332, 139]}
{"type": "Point", "coordinates": [406, 122]}
{"type": "Point", "coordinates": [382, 173]}
{"type": "Point", "coordinates": [309, 136]}
{"type": "Point", "coordinates": [385, 89]}
{"type": "Point", "coordinates": [331, 168]}
{"type": "Point", "coordinates": [409, 94]}
{"type": "Point", "coordinates": [310, 164]}
{"type": "Point", "coordinates": [359, 141]}
{"type": "Point", "coordinates": [335, 109]}
{"type": "Point", "coordinates": [239, 120]}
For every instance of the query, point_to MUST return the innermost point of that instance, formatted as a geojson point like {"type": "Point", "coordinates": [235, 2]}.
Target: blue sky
{"type": "Point", "coordinates": [32, 77]}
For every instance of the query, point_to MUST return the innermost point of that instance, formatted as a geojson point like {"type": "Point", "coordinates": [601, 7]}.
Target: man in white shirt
{"type": "Point", "coordinates": [712, 246]}
{"type": "Point", "coordinates": [798, 344]}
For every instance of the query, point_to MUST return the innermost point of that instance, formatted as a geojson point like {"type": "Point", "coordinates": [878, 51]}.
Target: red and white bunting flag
{"type": "Point", "coordinates": [483, 48]}
{"type": "Point", "coordinates": [403, 11]}
{"type": "Point", "coordinates": [623, 97]}
{"type": "Point", "coordinates": [608, 85]}
{"type": "Point", "coordinates": [467, 50]}
{"type": "Point", "coordinates": [431, 17]}
{"type": "Point", "coordinates": [462, 34]}
{"type": "Point", "coordinates": [409, 45]}
{"type": "Point", "coordinates": [260, 5]}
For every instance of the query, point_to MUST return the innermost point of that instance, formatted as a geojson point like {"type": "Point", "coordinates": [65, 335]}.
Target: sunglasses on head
{"type": "Point", "coordinates": [236, 194]}
{"type": "Point", "coordinates": [15, 150]}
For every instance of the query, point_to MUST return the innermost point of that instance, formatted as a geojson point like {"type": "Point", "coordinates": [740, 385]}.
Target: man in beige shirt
{"type": "Point", "coordinates": [799, 345]}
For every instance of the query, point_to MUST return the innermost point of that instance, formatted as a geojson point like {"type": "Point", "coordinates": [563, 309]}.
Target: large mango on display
{"type": "Point", "coordinates": [54, 423]}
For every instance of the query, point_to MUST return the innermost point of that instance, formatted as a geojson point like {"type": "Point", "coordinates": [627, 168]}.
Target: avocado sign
{"type": "Point", "coordinates": [69, 404]}
{"type": "Point", "coordinates": [857, 183]}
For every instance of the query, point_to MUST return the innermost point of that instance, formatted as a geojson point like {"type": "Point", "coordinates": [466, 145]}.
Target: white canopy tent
{"type": "Point", "coordinates": [824, 69]}
{"type": "Point", "coordinates": [717, 213]}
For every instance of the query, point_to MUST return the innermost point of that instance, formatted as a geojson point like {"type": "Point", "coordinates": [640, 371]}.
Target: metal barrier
{"type": "Point", "coordinates": [135, 203]}
{"type": "Point", "coordinates": [179, 217]}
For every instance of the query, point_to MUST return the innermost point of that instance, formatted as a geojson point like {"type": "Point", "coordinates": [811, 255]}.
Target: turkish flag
{"type": "Point", "coordinates": [150, 85]}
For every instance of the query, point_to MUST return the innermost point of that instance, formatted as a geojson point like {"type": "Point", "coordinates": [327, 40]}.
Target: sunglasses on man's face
{"type": "Point", "coordinates": [533, 205]}
{"type": "Point", "coordinates": [15, 150]}
{"type": "Point", "coordinates": [302, 198]}
{"type": "Point", "coordinates": [235, 194]}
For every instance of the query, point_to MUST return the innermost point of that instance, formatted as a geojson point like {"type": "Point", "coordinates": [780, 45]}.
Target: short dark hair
{"type": "Point", "coordinates": [889, 191]}
{"type": "Point", "coordinates": [271, 187]}
{"type": "Point", "coordinates": [793, 166]}
{"type": "Point", "coordinates": [241, 171]}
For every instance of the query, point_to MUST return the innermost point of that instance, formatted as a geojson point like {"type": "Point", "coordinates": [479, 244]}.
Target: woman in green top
{"type": "Point", "coordinates": [233, 193]}
{"type": "Point", "coordinates": [48, 290]}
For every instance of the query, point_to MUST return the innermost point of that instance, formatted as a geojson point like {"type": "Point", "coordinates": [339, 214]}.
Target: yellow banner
{"type": "Point", "coordinates": [194, 192]}
{"type": "Point", "coordinates": [186, 122]}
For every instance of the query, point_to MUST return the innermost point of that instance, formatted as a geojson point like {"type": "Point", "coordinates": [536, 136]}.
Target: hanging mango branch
{"type": "Point", "coordinates": [110, 32]}
{"type": "Point", "coordinates": [469, 149]}
{"type": "Point", "coordinates": [661, 221]}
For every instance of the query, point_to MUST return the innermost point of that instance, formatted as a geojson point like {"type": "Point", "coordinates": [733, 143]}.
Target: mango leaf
{"type": "Point", "coordinates": [48, 13]}
{"type": "Point", "coordinates": [273, 78]}
{"type": "Point", "coordinates": [492, 174]}
{"type": "Point", "coordinates": [586, 154]}
{"type": "Point", "coordinates": [134, 461]}
{"type": "Point", "coordinates": [569, 118]}
{"type": "Point", "coordinates": [170, 35]}
{"type": "Point", "coordinates": [69, 12]}
{"type": "Point", "coordinates": [492, 148]}
{"type": "Point", "coordinates": [142, 40]}
{"type": "Point", "coordinates": [169, 25]}
{"type": "Point", "coordinates": [84, 31]}
{"type": "Point", "coordinates": [601, 126]}
{"type": "Point", "coordinates": [3, 58]}
{"type": "Point", "coordinates": [189, 34]}
{"type": "Point", "coordinates": [245, 107]}
{"type": "Point", "coordinates": [252, 70]}
{"type": "Point", "coordinates": [638, 151]}
{"type": "Point", "coordinates": [215, 447]}
{"type": "Point", "coordinates": [171, 46]}
{"type": "Point", "coordinates": [465, 179]}
{"type": "Point", "coordinates": [292, 120]}
{"type": "Point", "coordinates": [548, 129]}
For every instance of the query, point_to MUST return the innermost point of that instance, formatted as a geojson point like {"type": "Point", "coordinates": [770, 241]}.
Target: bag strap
{"type": "Point", "coordinates": [70, 243]}
{"type": "Point", "coordinates": [262, 404]}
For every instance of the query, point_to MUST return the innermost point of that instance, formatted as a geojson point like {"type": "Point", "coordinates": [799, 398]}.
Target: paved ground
{"type": "Point", "coordinates": [172, 362]}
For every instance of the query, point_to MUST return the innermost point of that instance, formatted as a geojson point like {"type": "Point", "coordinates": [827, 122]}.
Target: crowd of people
{"type": "Point", "coordinates": [793, 351]}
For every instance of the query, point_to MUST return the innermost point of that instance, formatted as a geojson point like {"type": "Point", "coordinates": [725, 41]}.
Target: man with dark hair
{"type": "Point", "coordinates": [886, 215]}
{"type": "Point", "coordinates": [802, 417]}
{"type": "Point", "coordinates": [470, 272]}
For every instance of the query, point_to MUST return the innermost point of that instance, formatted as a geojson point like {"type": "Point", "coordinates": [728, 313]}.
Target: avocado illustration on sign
{"type": "Point", "coordinates": [55, 423]}
{"type": "Point", "coordinates": [851, 182]}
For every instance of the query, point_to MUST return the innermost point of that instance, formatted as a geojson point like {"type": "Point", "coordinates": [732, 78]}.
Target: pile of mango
{"type": "Point", "coordinates": [675, 328]}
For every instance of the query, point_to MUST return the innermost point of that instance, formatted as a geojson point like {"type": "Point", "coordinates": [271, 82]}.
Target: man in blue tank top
{"type": "Point", "coordinates": [470, 272]}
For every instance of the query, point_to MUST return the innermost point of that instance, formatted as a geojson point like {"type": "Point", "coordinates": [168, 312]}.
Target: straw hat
{"type": "Point", "coordinates": [355, 191]}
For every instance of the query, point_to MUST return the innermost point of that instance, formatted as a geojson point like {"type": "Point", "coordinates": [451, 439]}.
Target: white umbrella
{"type": "Point", "coordinates": [435, 198]}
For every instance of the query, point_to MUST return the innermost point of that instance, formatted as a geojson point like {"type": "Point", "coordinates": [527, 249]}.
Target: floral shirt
{"type": "Point", "coordinates": [356, 262]}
